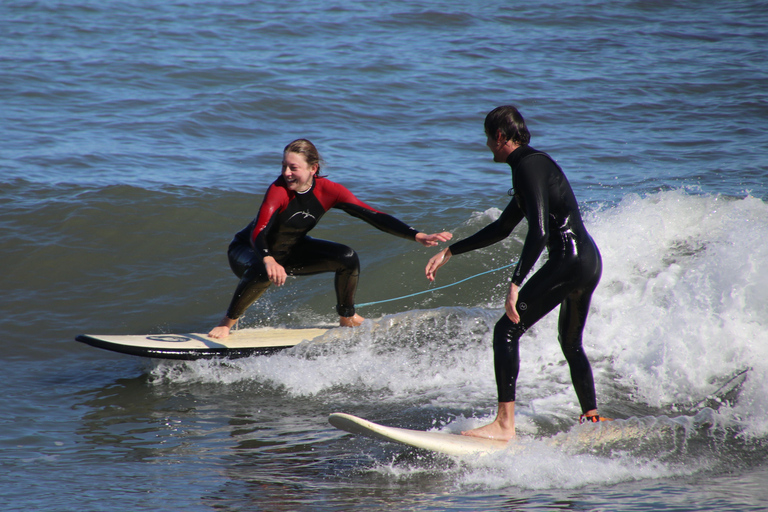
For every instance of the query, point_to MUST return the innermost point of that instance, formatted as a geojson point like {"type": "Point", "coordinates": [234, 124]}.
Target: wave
{"type": "Point", "coordinates": [677, 326]}
{"type": "Point", "coordinates": [679, 312]}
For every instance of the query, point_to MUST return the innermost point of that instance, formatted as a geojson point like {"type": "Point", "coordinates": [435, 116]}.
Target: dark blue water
{"type": "Point", "coordinates": [138, 137]}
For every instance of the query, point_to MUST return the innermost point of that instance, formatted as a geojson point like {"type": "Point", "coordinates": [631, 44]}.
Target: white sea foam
{"type": "Point", "coordinates": [536, 465]}
{"type": "Point", "coordinates": [682, 304]}
{"type": "Point", "coordinates": [680, 312]}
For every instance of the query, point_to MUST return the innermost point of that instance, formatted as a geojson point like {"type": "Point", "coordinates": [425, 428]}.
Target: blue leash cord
{"type": "Point", "coordinates": [435, 289]}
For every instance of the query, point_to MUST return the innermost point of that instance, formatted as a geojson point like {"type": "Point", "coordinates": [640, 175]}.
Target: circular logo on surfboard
{"type": "Point", "coordinates": [169, 338]}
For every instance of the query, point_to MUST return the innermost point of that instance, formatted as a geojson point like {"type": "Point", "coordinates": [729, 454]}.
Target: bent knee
{"type": "Point", "coordinates": [349, 259]}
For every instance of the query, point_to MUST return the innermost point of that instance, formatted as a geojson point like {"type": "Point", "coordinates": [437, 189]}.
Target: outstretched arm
{"type": "Point", "coordinates": [347, 201]}
{"type": "Point", "coordinates": [493, 232]}
{"type": "Point", "coordinates": [379, 220]}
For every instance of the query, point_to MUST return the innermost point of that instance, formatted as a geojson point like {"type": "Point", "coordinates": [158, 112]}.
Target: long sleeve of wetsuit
{"type": "Point", "coordinates": [531, 185]}
{"type": "Point", "coordinates": [379, 220]}
{"type": "Point", "coordinates": [494, 232]}
{"type": "Point", "coordinates": [275, 199]}
{"type": "Point", "coordinates": [338, 196]}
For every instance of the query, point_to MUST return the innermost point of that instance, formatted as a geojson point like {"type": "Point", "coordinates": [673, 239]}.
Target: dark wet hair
{"type": "Point", "coordinates": [511, 123]}
{"type": "Point", "coordinates": [308, 150]}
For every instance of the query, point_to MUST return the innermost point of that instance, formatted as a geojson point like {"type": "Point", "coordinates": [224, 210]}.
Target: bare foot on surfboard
{"type": "Point", "coordinates": [218, 332]}
{"type": "Point", "coordinates": [222, 330]}
{"type": "Point", "coordinates": [491, 431]}
{"type": "Point", "coordinates": [351, 321]}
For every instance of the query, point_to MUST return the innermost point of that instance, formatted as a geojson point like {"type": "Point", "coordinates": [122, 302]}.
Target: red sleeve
{"type": "Point", "coordinates": [330, 194]}
{"type": "Point", "coordinates": [275, 201]}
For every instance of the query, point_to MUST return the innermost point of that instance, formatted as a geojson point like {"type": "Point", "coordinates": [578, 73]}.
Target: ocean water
{"type": "Point", "coordinates": [138, 137]}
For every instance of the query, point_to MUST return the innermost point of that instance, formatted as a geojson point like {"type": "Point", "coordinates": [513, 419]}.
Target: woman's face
{"type": "Point", "coordinates": [297, 173]}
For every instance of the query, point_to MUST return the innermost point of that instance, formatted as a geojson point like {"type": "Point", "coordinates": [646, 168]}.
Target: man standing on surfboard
{"type": "Point", "coordinates": [543, 196]}
{"type": "Point", "coordinates": [275, 244]}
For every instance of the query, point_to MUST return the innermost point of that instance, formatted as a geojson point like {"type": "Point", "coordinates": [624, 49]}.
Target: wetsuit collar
{"type": "Point", "coordinates": [518, 154]}
{"type": "Point", "coordinates": [314, 180]}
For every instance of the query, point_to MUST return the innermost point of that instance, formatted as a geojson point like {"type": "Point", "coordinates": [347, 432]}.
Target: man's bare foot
{"type": "Point", "coordinates": [491, 431]}
{"type": "Point", "coordinates": [351, 321]}
{"type": "Point", "coordinates": [502, 428]}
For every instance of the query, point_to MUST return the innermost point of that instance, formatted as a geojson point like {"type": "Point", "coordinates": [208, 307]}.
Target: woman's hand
{"type": "Point", "coordinates": [437, 261]}
{"type": "Point", "coordinates": [434, 239]}
{"type": "Point", "coordinates": [275, 271]}
{"type": "Point", "coordinates": [511, 304]}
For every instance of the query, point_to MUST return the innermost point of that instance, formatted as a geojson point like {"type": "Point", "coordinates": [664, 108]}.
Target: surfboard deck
{"type": "Point", "coordinates": [240, 343]}
{"type": "Point", "coordinates": [449, 444]}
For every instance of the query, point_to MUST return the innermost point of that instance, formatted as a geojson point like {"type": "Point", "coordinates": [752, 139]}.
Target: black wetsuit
{"type": "Point", "coordinates": [544, 197]}
{"type": "Point", "coordinates": [280, 229]}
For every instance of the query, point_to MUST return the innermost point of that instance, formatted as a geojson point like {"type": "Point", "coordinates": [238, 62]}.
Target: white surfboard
{"type": "Point", "coordinates": [240, 343]}
{"type": "Point", "coordinates": [450, 444]}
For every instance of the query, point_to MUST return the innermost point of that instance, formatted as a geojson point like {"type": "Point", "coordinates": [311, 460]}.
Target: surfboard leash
{"type": "Point", "coordinates": [434, 289]}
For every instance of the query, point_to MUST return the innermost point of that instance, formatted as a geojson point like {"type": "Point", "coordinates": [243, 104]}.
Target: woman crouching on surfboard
{"type": "Point", "coordinates": [544, 197]}
{"type": "Point", "coordinates": [275, 244]}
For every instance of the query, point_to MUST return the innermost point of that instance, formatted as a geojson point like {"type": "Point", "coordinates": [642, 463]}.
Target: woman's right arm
{"type": "Point", "coordinates": [275, 271]}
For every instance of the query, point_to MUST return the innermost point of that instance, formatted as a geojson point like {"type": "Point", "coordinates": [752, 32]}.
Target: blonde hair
{"type": "Point", "coordinates": [305, 148]}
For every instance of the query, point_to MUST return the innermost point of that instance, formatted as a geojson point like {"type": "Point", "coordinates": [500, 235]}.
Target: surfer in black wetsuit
{"type": "Point", "coordinates": [275, 244]}
{"type": "Point", "coordinates": [544, 197]}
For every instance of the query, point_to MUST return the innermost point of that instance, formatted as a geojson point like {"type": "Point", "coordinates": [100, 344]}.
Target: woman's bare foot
{"type": "Point", "coordinates": [351, 321]}
{"type": "Point", "coordinates": [222, 330]}
{"type": "Point", "coordinates": [502, 428]}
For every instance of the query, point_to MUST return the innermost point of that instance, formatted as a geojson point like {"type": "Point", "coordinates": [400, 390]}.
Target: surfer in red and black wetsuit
{"type": "Point", "coordinates": [543, 196]}
{"type": "Point", "coordinates": [275, 244]}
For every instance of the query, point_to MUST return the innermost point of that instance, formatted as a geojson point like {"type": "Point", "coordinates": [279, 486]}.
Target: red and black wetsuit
{"type": "Point", "coordinates": [544, 197]}
{"type": "Point", "coordinates": [280, 230]}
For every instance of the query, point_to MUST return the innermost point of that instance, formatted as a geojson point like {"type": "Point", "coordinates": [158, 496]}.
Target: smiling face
{"type": "Point", "coordinates": [297, 173]}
